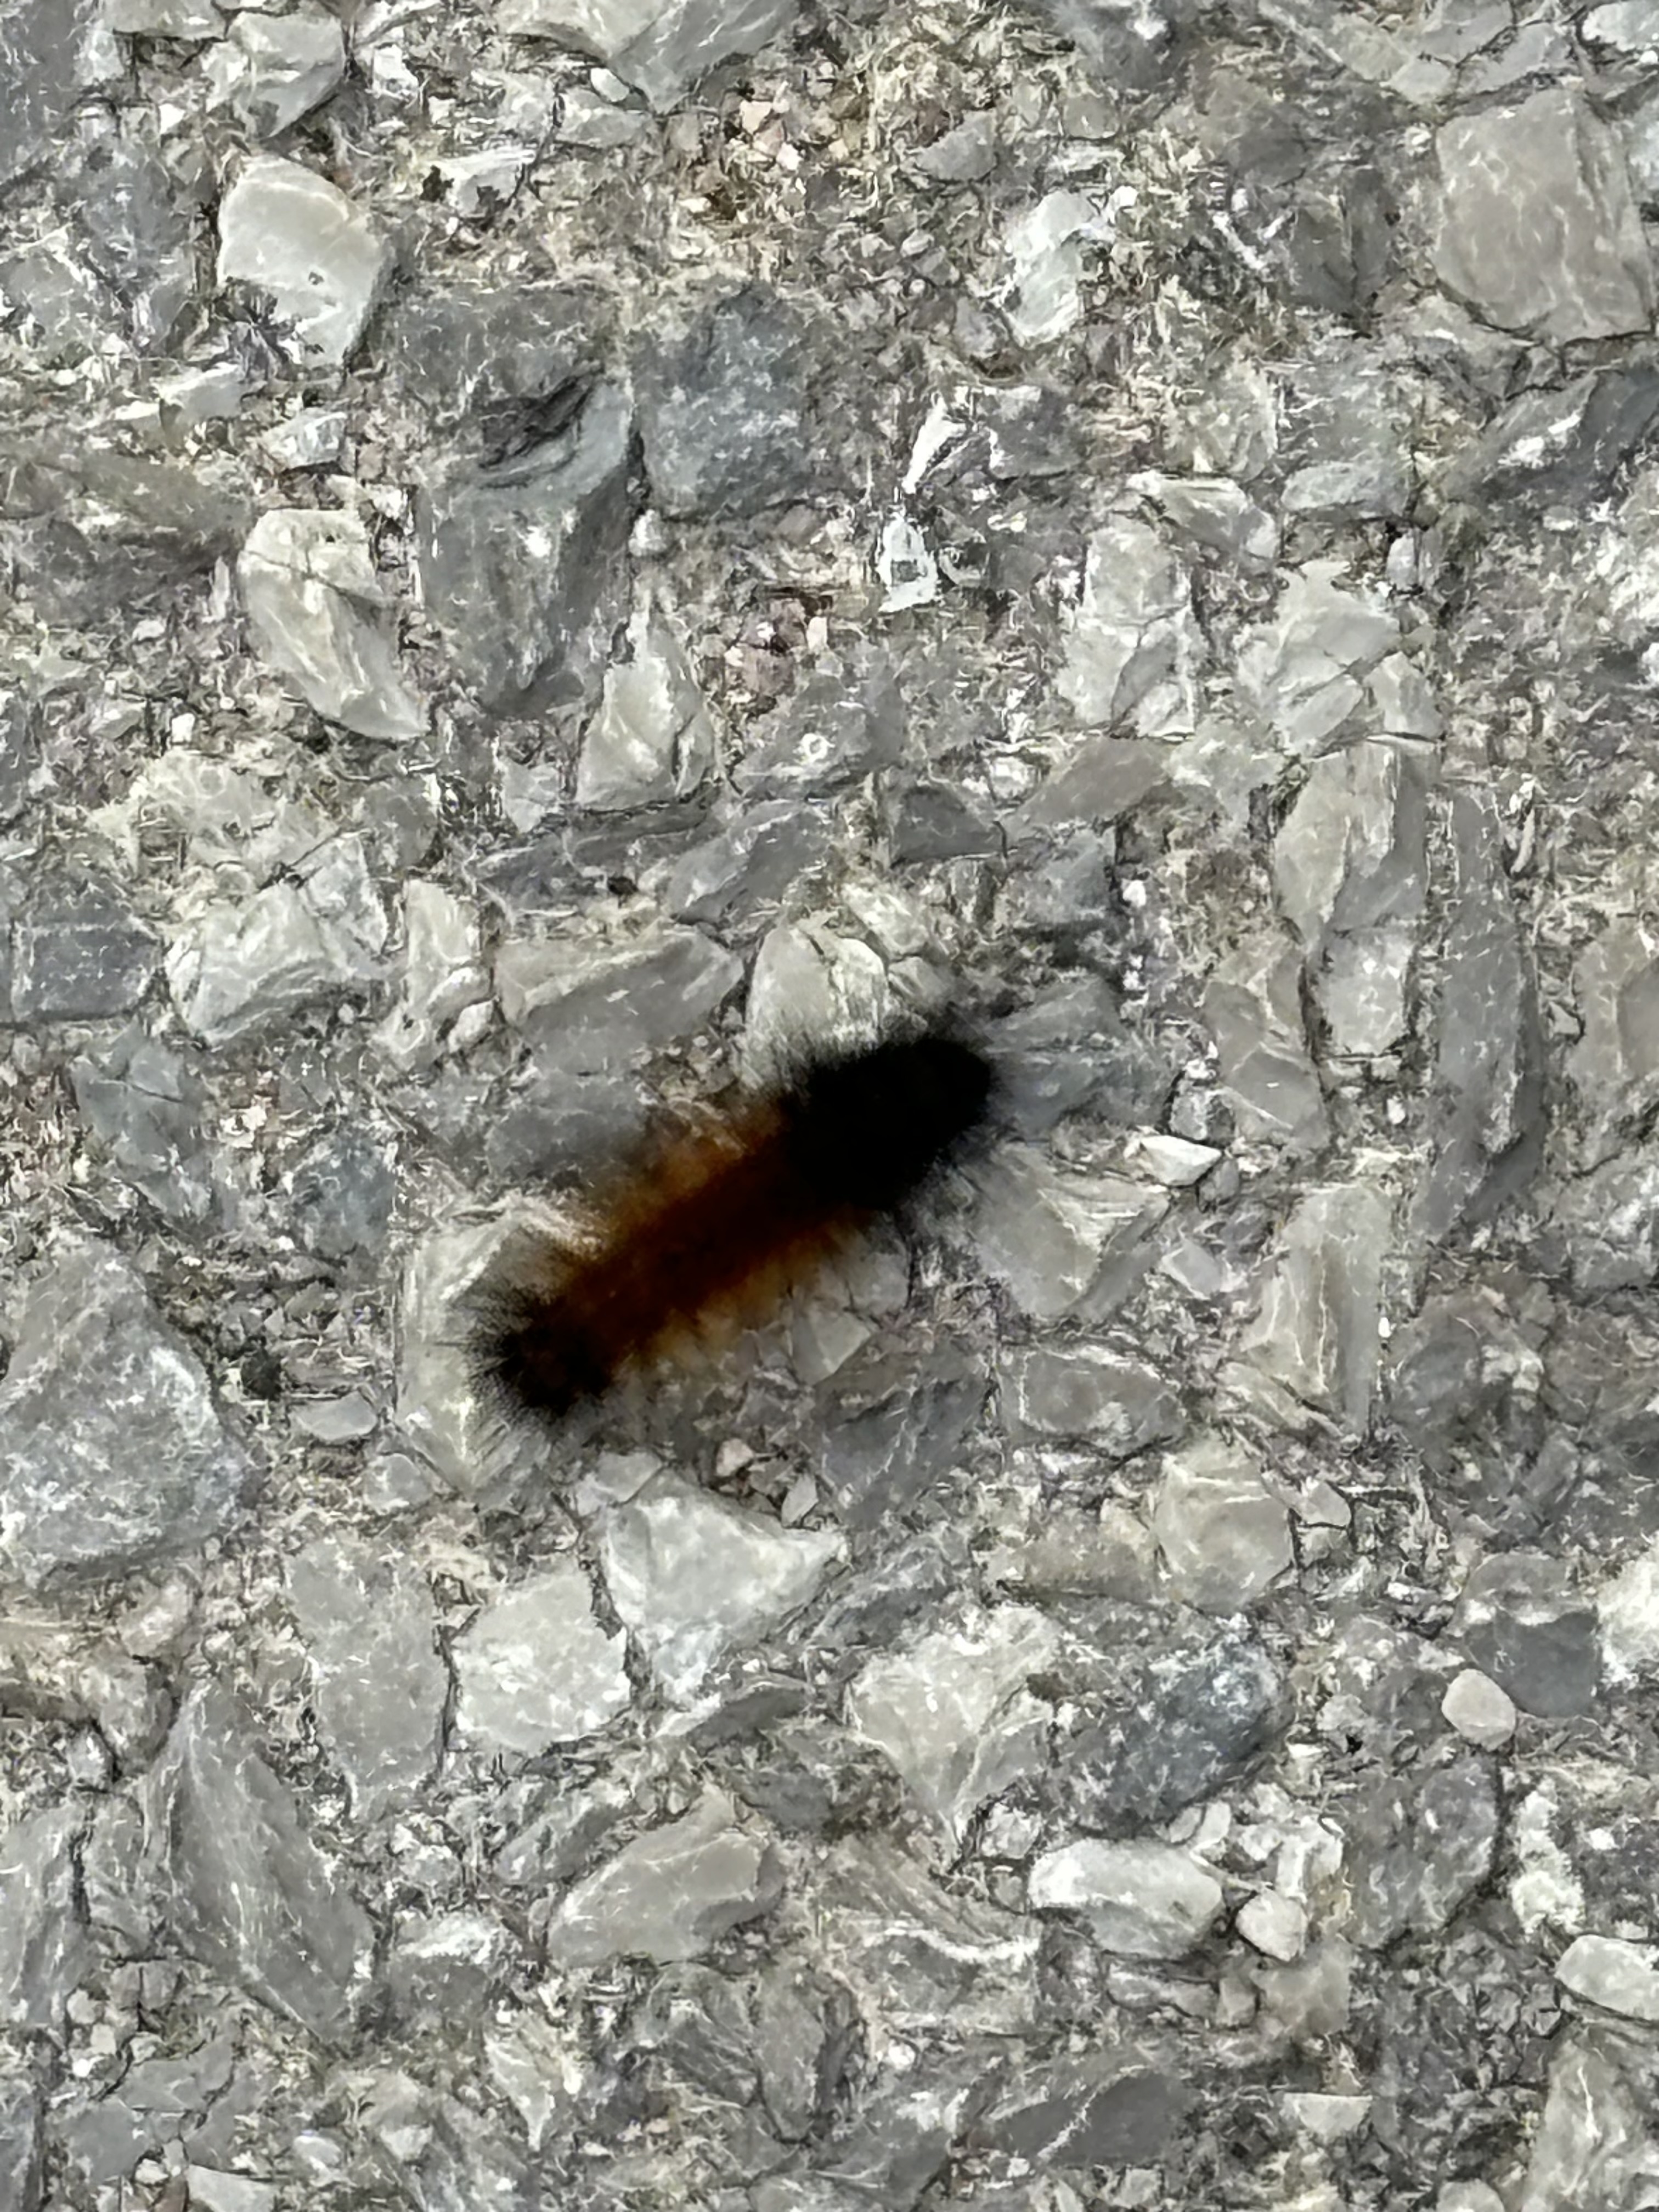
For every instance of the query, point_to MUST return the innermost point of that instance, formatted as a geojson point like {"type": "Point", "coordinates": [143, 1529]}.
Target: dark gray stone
{"type": "Point", "coordinates": [1385, 1696]}
{"type": "Point", "coordinates": [894, 1427]}
{"type": "Point", "coordinates": [1550, 160]}
{"type": "Point", "coordinates": [1615, 1066]}
{"type": "Point", "coordinates": [587, 1010]}
{"type": "Point", "coordinates": [1033, 432]}
{"type": "Point", "coordinates": [342, 1189]}
{"type": "Point", "coordinates": [1350, 855]}
{"type": "Point", "coordinates": [112, 1450]}
{"type": "Point", "coordinates": [557, 1124]}
{"type": "Point", "coordinates": [1438, 2039]}
{"type": "Point", "coordinates": [1097, 2108]}
{"type": "Point", "coordinates": [961, 155]}
{"type": "Point", "coordinates": [955, 1712]}
{"type": "Point", "coordinates": [1608, 1222]}
{"type": "Point", "coordinates": [1253, 1006]}
{"type": "Point", "coordinates": [1120, 1405]}
{"type": "Point", "coordinates": [1219, 1525]}
{"type": "Point", "coordinates": [723, 410]}
{"type": "Point", "coordinates": [277, 68]}
{"type": "Point", "coordinates": [22, 2166]}
{"type": "Point", "coordinates": [521, 555]}
{"type": "Point", "coordinates": [805, 2028]}
{"type": "Point", "coordinates": [450, 2157]}
{"type": "Point", "coordinates": [671, 1893]}
{"type": "Point", "coordinates": [661, 51]}
{"type": "Point", "coordinates": [1593, 2122]}
{"type": "Point", "coordinates": [1062, 890]}
{"type": "Point", "coordinates": [54, 1675]}
{"type": "Point", "coordinates": [379, 1686]}
{"type": "Point", "coordinates": [495, 352]}
{"type": "Point", "coordinates": [159, 2101]}
{"type": "Point", "coordinates": [534, 1667]}
{"type": "Point", "coordinates": [19, 752]}
{"type": "Point", "coordinates": [1418, 1845]}
{"type": "Point", "coordinates": [1314, 1343]}
{"type": "Point", "coordinates": [1216, 513]}
{"type": "Point", "coordinates": [1125, 49]}
{"type": "Point", "coordinates": [444, 1969]}
{"type": "Point", "coordinates": [120, 1902]}
{"type": "Point", "coordinates": [104, 2142]}
{"type": "Point", "coordinates": [652, 740]}
{"type": "Point", "coordinates": [80, 954]}
{"type": "Point", "coordinates": [1520, 1621]}
{"type": "Point", "coordinates": [927, 823]}
{"type": "Point", "coordinates": [1139, 1899]}
{"type": "Point", "coordinates": [845, 720]}
{"type": "Point", "coordinates": [1622, 1873]}
{"type": "Point", "coordinates": [40, 52]}
{"type": "Point", "coordinates": [1064, 1239]}
{"type": "Point", "coordinates": [554, 1837]}
{"type": "Point", "coordinates": [242, 963]}
{"type": "Point", "coordinates": [1464, 1382]}
{"type": "Point", "coordinates": [1347, 450]}
{"type": "Point", "coordinates": [1070, 1051]}
{"type": "Point", "coordinates": [242, 1886]}
{"type": "Point", "coordinates": [891, 1589]}
{"type": "Point", "coordinates": [1184, 1728]}
{"type": "Point", "coordinates": [1337, 250]}
{"type": "Point", "coordinates": [901, 2136]}
{"type": "Point", "coordinates": [1488, 1121]}
{"type": "Point", "coordinates": [697, 2023]}
{"type": "Point", "coordinates": [137, 226]}
{"type": "Point", "coordinates": [1105, 778]}
{"type": "Point", "coordinates": [1559, 446]}
{"type": "Point", "coordinates": [100, 533]}
{"type": "Point", "coordinates": [146, 1105]}
{"type": "Point", "coordinates": [940, 1959]}
{"type": "Point", "coordinates": [44, 1951]}
{"type": "Point", "coordinates": [772, 850]}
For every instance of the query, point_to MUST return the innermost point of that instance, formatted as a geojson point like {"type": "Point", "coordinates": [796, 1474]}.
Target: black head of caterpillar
{"type": "Point", "coordinates": [716, 1228]}
{"type": "Point", "coordinates": [867, 1128]}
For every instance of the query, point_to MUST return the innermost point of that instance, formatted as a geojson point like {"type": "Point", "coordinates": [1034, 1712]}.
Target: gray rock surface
{"type": "Point", "coordinates": [145, 1468]}
{"type": "Point", "coordinates": [43, 1951]}
{"type": "Point", "coordinates": [695, 1578]}
{"type": "Point", "coordinates": [521, 546]}
{"type": "Point", "coordinates": [670, 1893]}
{"type": "Point", "coordinates": [535, 1668]}
{"type": "Point", "coordinates": [661, 50]}
{"type": "Point", "coordinates": [272, 70]}
{"type": "Point", "coordinates": [377, 1686]}
{"type": "Point", "coordinates": [953, 1712]}
{"type": "Point", "coordinates": [558, 557]}
{"type": "Point", "coordinates": [308, 583]}
{"type": "Point", "coordinates": [78, 954]}
{"type": "Point", "coordinates": [240, 1882]}
{"type": "Point", "coordinates": [1140, 1900]}
{"type": "Point", "coordinates": [20, 2169]}
{"type": "Point", "coordinates": [1224, 1536]}
{"type": "Point", "coordinates": [300, 240]}
{"type": "Point", "coordinates": [1548, 168]}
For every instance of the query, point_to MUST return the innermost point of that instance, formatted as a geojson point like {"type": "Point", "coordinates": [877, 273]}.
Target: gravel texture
{"type": "Point", "coordinates": [547, 555]}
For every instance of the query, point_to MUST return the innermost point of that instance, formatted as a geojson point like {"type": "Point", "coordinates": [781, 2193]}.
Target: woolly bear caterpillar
{"type": "Point", "coordinates": [721, 1223]}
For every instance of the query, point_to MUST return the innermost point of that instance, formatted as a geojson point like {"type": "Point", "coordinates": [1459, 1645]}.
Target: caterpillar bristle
{"type": "Point", "coordinates": [717, 1227]}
